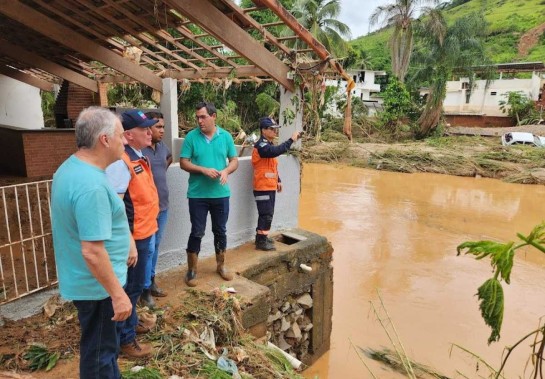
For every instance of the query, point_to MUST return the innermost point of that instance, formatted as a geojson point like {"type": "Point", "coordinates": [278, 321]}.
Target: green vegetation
{"type": "Point", "coordinates": [397, 104]}
{"type": "Point", "coordinates": [508, 20]}
{"type": "Point", "coordinates": [491, 294]}
{"type": "Point", "coordinates": [400, 15]}
{"type": "Point", "coordinates": [320, 18]}
{"type": "Point", "coordinates": [442, 49]}
{"type": "Point", "coordinates": [48, 105]}
{"type": "Point", "coordinates": [520, 107]}
{"type": "Point", "coordinates": [40, 358]}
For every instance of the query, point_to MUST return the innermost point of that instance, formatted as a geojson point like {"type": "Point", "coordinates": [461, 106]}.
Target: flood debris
{"type": "Point", "coordinates": [391, 359]}
{"type": "Point", "coordinates": [199, 336]}
{"type": "Point", "coordinates": [453, 155]}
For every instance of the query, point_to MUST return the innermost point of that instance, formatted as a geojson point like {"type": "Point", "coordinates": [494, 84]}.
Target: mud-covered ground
{"type": "Point", "coordinates": [188, 339]}
{"type": "Point", "coordinates": [465, 152]}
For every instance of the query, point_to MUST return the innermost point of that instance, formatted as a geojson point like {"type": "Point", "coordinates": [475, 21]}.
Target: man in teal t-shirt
{"type": "Point", "coordinates": [209, 155]}
{"type": "Point", "coordinates": [92, 241]}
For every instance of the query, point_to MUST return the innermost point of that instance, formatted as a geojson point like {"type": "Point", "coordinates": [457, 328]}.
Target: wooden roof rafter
{"type": "Point", "coordinates": [198, 40]}
{"type": "Point", "coordinates": [144, 36]}
{"type": "Point", "coordinates": [25, 78]}
{"type": "Point", "coordinates": [158, 33]}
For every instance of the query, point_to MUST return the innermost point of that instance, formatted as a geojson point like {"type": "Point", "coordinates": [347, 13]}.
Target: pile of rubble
{"type": "Point", "coordinates": [289, 325]}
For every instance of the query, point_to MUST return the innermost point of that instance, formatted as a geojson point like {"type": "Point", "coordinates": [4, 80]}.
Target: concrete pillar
{"type": "Point", "coordinates": [291, 114]}
{"type": "Point", "coordinates": [169, 109]}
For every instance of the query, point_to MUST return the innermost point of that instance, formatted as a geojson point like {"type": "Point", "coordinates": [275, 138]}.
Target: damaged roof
{"type": "Point", "coordinates": [90, 41]}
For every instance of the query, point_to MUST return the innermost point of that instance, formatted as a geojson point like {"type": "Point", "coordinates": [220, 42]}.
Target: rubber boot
{"type": "Point", "coordinates": [221, 270]}
{"type": "Point", "coordinates": [261, 243]}
{"type": "Point", "coordinates": [155, 290]}
{"type": "Point", "coordinates": [268, 239]}
{"type": "Point", "coordinates": [191, 276]}
{"type": "Point", "coordinates": [146, 300]}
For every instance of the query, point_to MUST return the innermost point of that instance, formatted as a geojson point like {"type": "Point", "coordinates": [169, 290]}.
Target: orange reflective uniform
{"type": "Point", "coordinates": [141, 199]}
{"type": "Point", "coordinates": [265, 164]}
{"type": "Point", "coordinates": [265, 172]}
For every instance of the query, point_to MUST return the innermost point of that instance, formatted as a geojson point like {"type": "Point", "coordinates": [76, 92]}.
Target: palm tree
{"type": "Point", "coordinates": [320, 18]}
{"type": "Point", "coordinates": [440, 53]}
{"type": "Point", "coordinates": [400, 15]}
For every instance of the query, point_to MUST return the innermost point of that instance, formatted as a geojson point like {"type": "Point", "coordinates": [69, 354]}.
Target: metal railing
{"type": "Point", "coordinates": [27, 262]}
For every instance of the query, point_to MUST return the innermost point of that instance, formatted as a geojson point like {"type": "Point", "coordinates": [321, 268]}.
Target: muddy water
{"type": "Point", "coordinates": [396, 234]}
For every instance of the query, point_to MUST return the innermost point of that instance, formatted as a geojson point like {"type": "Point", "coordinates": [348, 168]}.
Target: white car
{"type": "Point", "coordinates": [522, 138]}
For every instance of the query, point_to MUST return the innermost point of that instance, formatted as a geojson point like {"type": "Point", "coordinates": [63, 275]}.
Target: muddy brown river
{"type": "Point", "coordinates": [396, 234]}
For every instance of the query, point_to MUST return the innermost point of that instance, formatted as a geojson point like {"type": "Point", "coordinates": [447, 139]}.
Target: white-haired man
{"type": "Point", "coordinates": [92, 241]}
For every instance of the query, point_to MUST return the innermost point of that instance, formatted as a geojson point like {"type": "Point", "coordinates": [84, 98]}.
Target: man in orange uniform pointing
{"type": "Point", "coordinates": [266, 179]}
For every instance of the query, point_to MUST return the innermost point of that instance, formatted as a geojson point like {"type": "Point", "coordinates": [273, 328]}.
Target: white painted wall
{"type": "Point", "coordinates": [243, 212]}
{"type": "Point", "coordinates": [20, 104]}
{"type": "Point", "coordinates": [363, 89]}
{"type": "Point", "coordinates": [483, 101]}
{"type": "Point", "coordinates": [240, 227]}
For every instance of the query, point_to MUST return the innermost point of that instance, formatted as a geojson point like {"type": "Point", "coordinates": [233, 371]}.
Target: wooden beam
{"type": "Point", "coordinates": [139, 20]}
{"type": "Point", "coordinates": [243, 71]}
{"type": "Point", "coordinates": [26, 78]}
{"type": "Point", "coordinates": [293, 24]}
{"type": "Point", "coordinates": [259, 27]}
{"type": "Point", "coordinates": [37, 61]}
{"type": "Point", "coordinates": [40, 23]}
{"type": "Point", "coordinates": [305, 35]}
{"type": "Point", "coordinates": [221, 27]}
{"type": "Point", "coordinates": [207, 73]}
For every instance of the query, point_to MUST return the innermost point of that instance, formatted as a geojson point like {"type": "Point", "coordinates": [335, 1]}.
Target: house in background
{"type": "Point", "coordinates": [480, 105]}
{"type": "Point", "coordinates": [365, 89]}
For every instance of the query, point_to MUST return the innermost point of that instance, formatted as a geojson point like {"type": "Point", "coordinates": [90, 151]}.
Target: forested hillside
{"type": "Point", "coordinates": [515, 32]}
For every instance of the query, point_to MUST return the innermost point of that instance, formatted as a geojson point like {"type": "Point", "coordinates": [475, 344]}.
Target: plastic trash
{"type": "Point", "coordinates": [295, 363]}
{"type": "Point", "coordinates": [305, 267]}
{"type": "Point", "coordinates": [227, 364]}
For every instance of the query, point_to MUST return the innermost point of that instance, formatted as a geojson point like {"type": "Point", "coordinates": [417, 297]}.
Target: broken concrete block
{"type": "Point", "coordinates": [294, 332]}
{"type": "Point", "coordinates": [305, 301]}
{"type": "Point", "coordinates": [285, 325]}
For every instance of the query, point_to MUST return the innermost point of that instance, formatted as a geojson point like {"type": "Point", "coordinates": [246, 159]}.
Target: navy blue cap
{"type": "Point", "coordinates": [267, 122]}
{"type": "Point", "coordinates": [136, 118]}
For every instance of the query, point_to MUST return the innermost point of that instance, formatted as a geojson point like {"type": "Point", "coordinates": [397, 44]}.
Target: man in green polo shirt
{"type": "Point", "coordinates": [209, 155]}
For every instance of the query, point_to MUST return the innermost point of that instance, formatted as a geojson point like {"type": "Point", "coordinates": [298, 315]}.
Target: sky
{"type": "Point", "coordinates": [355, 14]}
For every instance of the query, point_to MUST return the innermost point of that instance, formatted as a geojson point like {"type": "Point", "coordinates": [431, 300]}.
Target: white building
{"type": "Point", "coordinates": [481, 100]}
{"type": "Point", "coordinates": [364, 89]}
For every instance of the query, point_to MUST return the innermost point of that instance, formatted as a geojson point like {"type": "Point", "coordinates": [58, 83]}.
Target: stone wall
{"type": "Point", "coordinates": [296, 313]}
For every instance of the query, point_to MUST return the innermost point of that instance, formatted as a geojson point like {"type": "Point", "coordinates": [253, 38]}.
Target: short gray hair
{"type": "Point", "coordinates": [93, 122]}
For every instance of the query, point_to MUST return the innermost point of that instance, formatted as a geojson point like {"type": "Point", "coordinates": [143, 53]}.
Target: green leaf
{"type": "Point", "coordinates": [40, 357]}
{"type": "Point", "coordinates": [501, 255]}
{"type": "Point", "coordinates": [490, 295]}
{"type": "Point", "coordinates": [52, 361]}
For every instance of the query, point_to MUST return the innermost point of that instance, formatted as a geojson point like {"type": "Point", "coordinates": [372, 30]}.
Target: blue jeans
{"type": "Point", "coordinates": [135, 284]}
{"type": "Point", "coordinates": [154, 247]}
{"type": "Point", "coordinates": [219, 213]}
{"type": "Point", "coordinates": [99, 344]}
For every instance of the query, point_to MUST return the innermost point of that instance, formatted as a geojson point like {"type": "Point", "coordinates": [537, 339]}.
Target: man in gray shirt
{"type": "Point", "coordinates": [160, 157]}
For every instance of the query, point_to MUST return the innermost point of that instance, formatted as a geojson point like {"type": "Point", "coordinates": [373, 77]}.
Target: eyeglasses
{"type": "Point", "coordinates": [202, 117]}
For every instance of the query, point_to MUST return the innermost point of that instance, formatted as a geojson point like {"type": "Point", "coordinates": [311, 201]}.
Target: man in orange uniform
{"type": "Point", "coordinates": [266, 179]}
{"type": "Point", "coordinates": [132, 179]}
